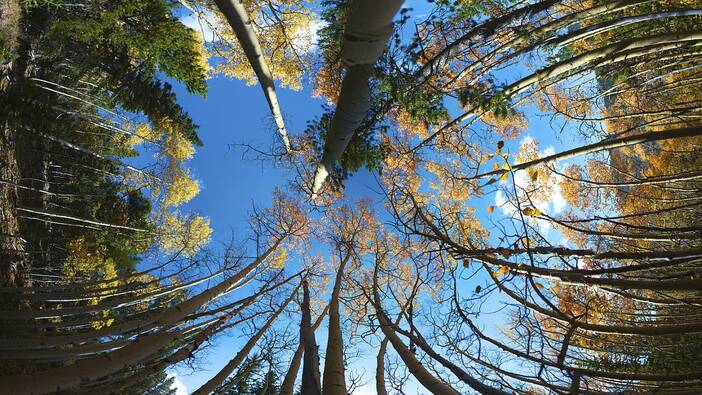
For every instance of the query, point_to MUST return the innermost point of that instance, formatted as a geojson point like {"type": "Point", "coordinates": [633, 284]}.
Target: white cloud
{"type": "Point", "coordinates": [501, 202]}
{"type": "Point", "coordinates": [527, 139]}
{"type": "Point", "coordinates": [306, 39]}
{"type": "Point", "coordinates": [558, 202]}
{"type": "Point", "coordinates": [551, 204]}
{"type": "Point", "coordinates": [178, 386]}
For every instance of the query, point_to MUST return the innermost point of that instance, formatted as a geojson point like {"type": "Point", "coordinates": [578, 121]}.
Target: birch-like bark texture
{"type": "Point", "coordinates": [334, 378]}
{"type": "Point", "coordinates": [380, 388]}
{"type": "Point", "coordinates": [428, 380]}
{"type": "Point", "coordinates": [368, 28]}
{"type": "Point", "coordinates": [603, 145]}
{"type": "Point", "coordinates": [599, 57]}
{"type": "Point", "coordinates": [72, 376]}
{"type": "Point", "coordinates": [240, 22]}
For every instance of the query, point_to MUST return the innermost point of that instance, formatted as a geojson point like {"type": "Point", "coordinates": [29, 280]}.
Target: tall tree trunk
{"type": "Point", "coordinates": [368, 28]}
{"type": "Point", "coordinates": [605, 144]}
{"type": "Point", "coordinates": [423, 376]}
{"type": "Point", "coordinates": [380, 368]}
{"type": "Point", "coordinates": [240, 22]}
{"type": "Point", "coordinates": [311, 382]}
{"type": "Point", "coordinates": [334, 381]}
{"type": "Point", "coordinates": [72, 376]}
{"type": "Point", "coordinates": [306, 337]}
{"type": "Point", "coordinates": [222, 375]}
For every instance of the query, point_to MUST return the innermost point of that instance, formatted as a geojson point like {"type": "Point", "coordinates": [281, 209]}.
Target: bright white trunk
{"type": "Point", "coordinates": [368, 28]}
{"type": "Point", "coordinates": [240, 22]}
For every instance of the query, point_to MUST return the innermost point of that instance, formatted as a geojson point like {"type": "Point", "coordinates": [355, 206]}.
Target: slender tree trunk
{"type": "Point", "coordinates": [311, 377]}
{"type": "Point", "coordinates": [222, 375]}
{"type": "Point", "coordinates": [421, 373]}
{"type": "Point", "coordinates": [334, 381]}
{"type": "Point", "coordinates": [603, 145]}
{"type": "Point", "coordinates": [610, 54]}
{"type": "Point", "coordinates": [72, 376]}
{"type": "Point", "coordinates": [240, 22]}
{"type": "Point", "coordinates": [380, 368]}
{"type": "Point", "coordinates": [306, 336]}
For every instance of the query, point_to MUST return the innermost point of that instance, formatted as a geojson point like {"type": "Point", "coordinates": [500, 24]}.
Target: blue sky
{"type": "Point", "coordinates": [235, 113]}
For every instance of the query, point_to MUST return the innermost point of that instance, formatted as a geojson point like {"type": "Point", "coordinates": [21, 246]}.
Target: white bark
{"type": "Point", "coordinates": [334, 381]}
{"type": "Point", "coordinates": [72, 376]}
{"type": "Point", "coordinates": [212, 385]}
{"type": "Point", "coordinates": [368, 28]}
{"type": "Point", "coordinates": [307, 345]}
{"type": "Point", "coordinates": [311, 381]}
{"type": "Point", "coordinates": [423, 376]}
{"type": "Point", "coordinates": [609, 54]}
{"type": "Point", "coordinates": [606, 144]}
{"type": "Point", "coordinates": [240, 22]}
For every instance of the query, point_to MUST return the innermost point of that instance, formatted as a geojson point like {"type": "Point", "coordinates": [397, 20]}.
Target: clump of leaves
{"type": "Point", "coordinates": [497, 103]}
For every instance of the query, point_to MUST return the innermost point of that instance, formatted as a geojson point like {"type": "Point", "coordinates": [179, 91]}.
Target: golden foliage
{"type": "Point", "coordinates": [186, 235]}
{"type": "Point", "coordinates": [279, 258]}
{"type": "Point", "coordinates": [503, 271]}
{"type": "Point", "coordinates": [284, 31]}
{"type": "Point", "coordinates": [91, 263]}
{"type": "Point", "coordinates": [182, 188]}
{"type": "Point", "coordinates": [508, 127]}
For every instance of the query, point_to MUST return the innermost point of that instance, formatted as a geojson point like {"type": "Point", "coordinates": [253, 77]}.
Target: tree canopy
{"type": "Point", "coordinates": [533, 227]}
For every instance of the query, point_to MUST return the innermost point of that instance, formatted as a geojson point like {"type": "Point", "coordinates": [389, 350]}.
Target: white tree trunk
{"type": "Point", "coordinates": [240, 22]}
{"type": "Point", "coordinates": [211, 385]}
{"type": "Point", "coordinates": [368, 28]}
{"type": "Point", "coordinates": [72, 376]}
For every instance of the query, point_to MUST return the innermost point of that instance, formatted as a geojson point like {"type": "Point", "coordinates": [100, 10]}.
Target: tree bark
{"type": "Point", "coordinates": [308, 348]}
{"type": "Point", "coordinates": [334, 380]}
{"type": "Point", "coordinates": [368, 28]}
{"type": "Point", "coordinates": [211, 385]}
{"type": "Point", "coordinates": [72, 376]}
{"type": "Point", "coordinates": [422, 375]}
{"type": "Point", "coordinates": [380, 369]}
{"type": "Point", "coordinates": [240, 22]}
{"type": "Point", "coordinates": [311, 377]}
{"type": "Point", "coordinates": [605, 144]}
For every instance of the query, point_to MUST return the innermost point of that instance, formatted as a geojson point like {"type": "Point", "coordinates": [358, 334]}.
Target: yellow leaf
{"type": "Point", "coordinates": [506, 166]}
{"type": "Point", "coordinates": [504, 270]}
{"type": "Point", "coordinates": [504, 177]}
{"type": "Point", "coordinates": [534, 175]}
{"type": "Point", "coordinates": [538, 286]}
{"type": "Point", "coordinates": [490, 209]}
{"type": "Point", "coordinates": [531, 212]}
{"type": "Point", "coordinates": [279, 258]}
{"type": "Point", "coordinates": [495, 166]}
